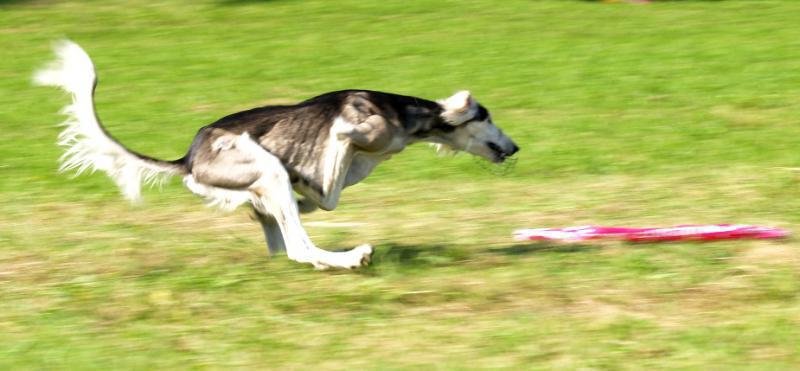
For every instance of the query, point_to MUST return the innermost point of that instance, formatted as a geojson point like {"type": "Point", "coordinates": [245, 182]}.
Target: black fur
{"type": "Point", "coordinates": [295, 133]}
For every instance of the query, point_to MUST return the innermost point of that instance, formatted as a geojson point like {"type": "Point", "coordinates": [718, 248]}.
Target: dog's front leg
{"type": "Point", "coordinates": [278, 201]}
{"type": "Point", "coordinates": [374, 135]}
{"type": "Point", "coordinates": [272, 195]}
{"type": "Point", "coordinates": [338, 154]}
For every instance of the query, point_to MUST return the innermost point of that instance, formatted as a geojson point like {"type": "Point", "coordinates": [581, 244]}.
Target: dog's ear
{"type": "Point", "coordinates": [458, 107]}
{"type": "Point", "coordinates": [461, 102]}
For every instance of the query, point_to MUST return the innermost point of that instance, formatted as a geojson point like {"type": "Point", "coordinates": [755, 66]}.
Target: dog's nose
{"type": "Point", "coordinates": [514, 150]}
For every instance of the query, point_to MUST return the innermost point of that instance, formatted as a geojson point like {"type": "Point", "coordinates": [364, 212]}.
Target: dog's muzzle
{"type": "Point", "coordinates": [500, 153]}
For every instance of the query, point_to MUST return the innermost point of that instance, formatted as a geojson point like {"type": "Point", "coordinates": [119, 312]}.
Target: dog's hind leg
{"type": "Point", "coordinates": [272, 233]}
{"type": "Point", "coordinates": [237, 162]}
{"type": "Point", "coordinates": [272, 195]}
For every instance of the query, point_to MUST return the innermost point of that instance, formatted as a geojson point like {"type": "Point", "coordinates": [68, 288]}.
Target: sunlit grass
{"type": "Point", "coordinates": [667, 113]}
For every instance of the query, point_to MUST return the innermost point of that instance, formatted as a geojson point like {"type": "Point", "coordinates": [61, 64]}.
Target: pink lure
{"type": "Point", "coordinates": [711, 232]}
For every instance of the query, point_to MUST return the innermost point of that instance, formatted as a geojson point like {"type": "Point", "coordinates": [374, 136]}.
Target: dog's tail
{"type": "Point", "coordinates": [87, 144]}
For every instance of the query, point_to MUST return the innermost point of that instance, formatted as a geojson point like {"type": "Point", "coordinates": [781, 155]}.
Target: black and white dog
{"type": "Point", "coordinates": [262, 156]}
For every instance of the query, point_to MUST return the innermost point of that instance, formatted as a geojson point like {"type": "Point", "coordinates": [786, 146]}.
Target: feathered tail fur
{"type": "Point", "coordinates": [87, 144]}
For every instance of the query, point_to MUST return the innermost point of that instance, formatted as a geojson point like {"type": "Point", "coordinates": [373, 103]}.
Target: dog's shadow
{"type": "Point", "coordinates": [408, 256]}
{"type": "Point", "coordinates": [541, 247]}
{"type": "Point", "coordinates": [416, 255]}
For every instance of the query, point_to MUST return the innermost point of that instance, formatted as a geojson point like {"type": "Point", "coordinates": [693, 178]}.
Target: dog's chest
{"type": "Point", "coordinates": [363, 163]}
{"type": "Point", "coordinates": [361, 166]}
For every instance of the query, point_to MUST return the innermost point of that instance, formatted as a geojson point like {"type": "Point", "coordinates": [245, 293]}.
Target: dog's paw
{"type": "Point", "coordinates": [365, 253]}
{"type": "Point", "coordinates": [360, 256]}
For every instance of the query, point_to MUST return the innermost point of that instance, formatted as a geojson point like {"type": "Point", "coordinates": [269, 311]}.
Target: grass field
{"type": "Point", "coordinates": [667, 113]}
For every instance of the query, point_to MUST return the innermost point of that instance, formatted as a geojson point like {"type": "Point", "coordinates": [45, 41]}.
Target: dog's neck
{"type": "Point", "coordinates": [422, 119]}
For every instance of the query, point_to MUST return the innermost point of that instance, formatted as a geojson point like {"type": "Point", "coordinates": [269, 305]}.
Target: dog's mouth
{"type": "Point", "coordinates": [502, 162]}
{"type": "Point", "coordinates": [498, 154]}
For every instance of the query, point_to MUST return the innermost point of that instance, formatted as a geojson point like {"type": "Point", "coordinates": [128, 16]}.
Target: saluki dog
{"type": "Point", "coordinates": [263, 156]}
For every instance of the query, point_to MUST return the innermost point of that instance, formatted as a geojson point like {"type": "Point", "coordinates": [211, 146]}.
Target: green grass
{"type": "Point", "coordinates": [667, 113]}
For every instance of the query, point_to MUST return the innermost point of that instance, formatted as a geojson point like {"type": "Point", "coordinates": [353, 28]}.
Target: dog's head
{"type": "Point", "coordinates": [467, 126]}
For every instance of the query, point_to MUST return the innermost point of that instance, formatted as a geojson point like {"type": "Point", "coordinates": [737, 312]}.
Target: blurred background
{"type": "Point", "coordinates": [627, 113]}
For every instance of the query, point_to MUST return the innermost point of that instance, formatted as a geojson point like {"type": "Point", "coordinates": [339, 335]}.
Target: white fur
{"type": "Point", "coordinates": [262, 178]}
{"type": "Point", "coordinates": [222, 198]}
{"type": "Point", "coordinates": [458, 108]}
{"type": "Point", "coordinates": [444, 149]}
{"type": "Point", "coordinates": [338, 156]}
{"type": "Point", "coordinates": [272, 194]}
{"type": "Point", "coordinates": [87, 145]}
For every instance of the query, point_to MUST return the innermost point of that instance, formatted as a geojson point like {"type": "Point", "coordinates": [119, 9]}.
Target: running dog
{"type": "Point", "coordinates": [263, 156]}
